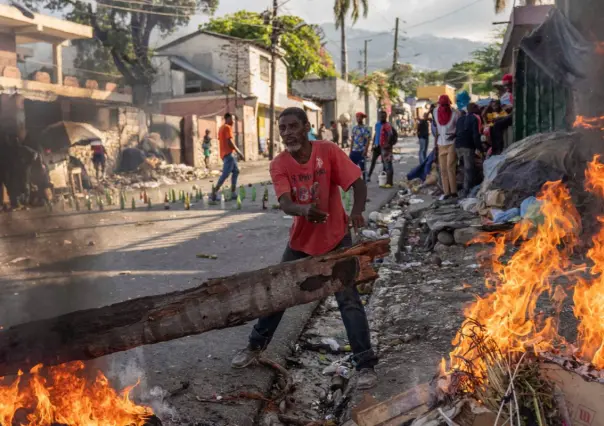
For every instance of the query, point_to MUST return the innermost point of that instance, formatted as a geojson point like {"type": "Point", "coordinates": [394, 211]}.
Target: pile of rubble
{"type": "Point", "coordinates": [153, 174]}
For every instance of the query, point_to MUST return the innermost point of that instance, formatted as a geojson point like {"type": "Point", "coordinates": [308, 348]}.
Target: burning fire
{"type": "Point", "coordinates": [592, 123]}
{"type": "Point", "coordinates": [508, 316]}
{"type": "Point", "coordinates": [589, 296]}
{"type": "Point", "coordinates": [63, 395]}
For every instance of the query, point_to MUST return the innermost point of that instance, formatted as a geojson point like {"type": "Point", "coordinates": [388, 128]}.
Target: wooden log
{"type": "Point", "coordinates": [217, 303]}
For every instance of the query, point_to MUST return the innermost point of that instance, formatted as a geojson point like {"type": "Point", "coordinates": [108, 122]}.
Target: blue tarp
{"type": "Point", "coordinates": [423, 170]}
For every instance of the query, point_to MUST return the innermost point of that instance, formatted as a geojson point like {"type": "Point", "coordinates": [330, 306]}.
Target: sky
{"type": "Point", "coordinates": [471, 19]}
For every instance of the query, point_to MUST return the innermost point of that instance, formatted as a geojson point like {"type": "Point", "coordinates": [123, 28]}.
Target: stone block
{"type": "Point", "coordinates": [446, 238]}
{"type": "Point", "coordinates": [464, 235]}
{"type": "Point", "coordinates": [71, 81]}
{"type": "Point", "coordinates": [42, 77]}
{"type": "Point", "coordinates": [92, 84]}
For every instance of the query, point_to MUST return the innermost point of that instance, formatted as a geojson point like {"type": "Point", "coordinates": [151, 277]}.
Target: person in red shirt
{"type": "Point", "coordinates": [99, 156]}
{"type": "Point", "coordinates": [229, 160]}
{"type": "Point", "coordinates": [307, 178]}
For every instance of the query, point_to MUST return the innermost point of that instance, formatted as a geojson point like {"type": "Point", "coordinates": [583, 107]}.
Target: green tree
{"type": "Point", "coordinates": [300, 41]}
{"type": "Point", "coordinates": [122, 30]}
{"type": "Point", "coordinates": [341, 9]}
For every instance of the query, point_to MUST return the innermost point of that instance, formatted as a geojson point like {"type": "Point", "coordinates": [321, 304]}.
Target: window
{"type": "Point", "coordinates": [265, 66]}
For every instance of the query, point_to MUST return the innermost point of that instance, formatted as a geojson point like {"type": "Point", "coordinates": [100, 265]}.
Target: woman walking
{"type": "Point", "coordinates": [446, 121]}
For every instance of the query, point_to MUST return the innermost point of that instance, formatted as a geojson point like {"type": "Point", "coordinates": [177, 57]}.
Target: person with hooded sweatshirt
{"type": "Point", "coordinates": [446, 122]}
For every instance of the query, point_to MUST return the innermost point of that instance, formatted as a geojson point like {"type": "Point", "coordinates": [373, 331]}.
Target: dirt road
{"type": "Point", "coordinates": [53, 264]}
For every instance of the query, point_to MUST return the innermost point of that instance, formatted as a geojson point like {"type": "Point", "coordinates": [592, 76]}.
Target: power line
{"type": "Point", "coordinates": [168, 6]}
{"type": "Point", "coordinates": [443, 16]}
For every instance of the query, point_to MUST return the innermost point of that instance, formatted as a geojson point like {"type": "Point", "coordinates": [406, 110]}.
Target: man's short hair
{"type": "Point", "coordinates": [228, 115]}
{"type": "Point", "coordinates": [299, 113]}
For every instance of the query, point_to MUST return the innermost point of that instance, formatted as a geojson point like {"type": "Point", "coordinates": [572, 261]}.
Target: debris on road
{"type": "Point", "coordinates": [206, 256]}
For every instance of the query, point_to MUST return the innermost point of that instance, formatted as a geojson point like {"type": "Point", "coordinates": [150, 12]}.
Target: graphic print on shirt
{"type": "Point", "coordinates": [305, 188]}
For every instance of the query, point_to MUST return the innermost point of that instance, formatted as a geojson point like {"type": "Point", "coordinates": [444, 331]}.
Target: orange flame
{"type": "Point", "coordinates": [589, 296]}
{"type": "Point", "coordinates": [65, 396]}
{"type": "Point", "coordinates": [508, 314]}
{"type": "Point", "coordinates": [592, 123]}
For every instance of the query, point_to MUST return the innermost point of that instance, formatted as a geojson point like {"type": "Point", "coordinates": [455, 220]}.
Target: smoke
{"type": "Point", "coordinates": [129, 372]}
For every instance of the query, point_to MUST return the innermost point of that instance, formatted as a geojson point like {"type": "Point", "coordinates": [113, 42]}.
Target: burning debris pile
{"type": "Point", "coordinates": [66, 395]}
{"type": "Point", "coordinates": [502, 350]}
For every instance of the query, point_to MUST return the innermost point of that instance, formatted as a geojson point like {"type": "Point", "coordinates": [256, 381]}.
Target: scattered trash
{"type": "Point", "coordinates": [206, 256]}
{"type": "Point", "coordinates": [19, 260]}
{"type": "Point", "coordinates": [66, 242]}
{"type": "Point", "coordinates": [126, 273]}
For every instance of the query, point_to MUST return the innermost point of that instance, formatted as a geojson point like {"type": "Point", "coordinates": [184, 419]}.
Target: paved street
{"type": "Point", "coordinates": [79, 260]}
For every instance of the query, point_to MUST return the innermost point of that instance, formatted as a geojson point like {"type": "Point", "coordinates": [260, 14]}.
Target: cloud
{"type": "Point", "coordinates": [471, 19]}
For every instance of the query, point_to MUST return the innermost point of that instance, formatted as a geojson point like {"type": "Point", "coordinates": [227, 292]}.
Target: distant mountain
{"type": "Point", "coordinates": [423, 52]}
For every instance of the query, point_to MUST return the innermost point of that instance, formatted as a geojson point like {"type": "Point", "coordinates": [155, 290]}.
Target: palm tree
{"type": "Point", "coordinates": [341, 9]}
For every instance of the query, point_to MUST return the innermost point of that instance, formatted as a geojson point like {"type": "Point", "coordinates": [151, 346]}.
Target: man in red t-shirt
{"type": "Point", "coordinates": [307, 178]}
{"type": "Point", "coordinates": [229, 160]}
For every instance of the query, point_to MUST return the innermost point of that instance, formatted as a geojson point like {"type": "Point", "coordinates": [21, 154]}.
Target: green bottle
{"type": "Point", "coordinates": [133, 204]}
{"type": "Point", "coordinates": [108, 197]}
{"type": "Point", "coordinates": [187, 202]}
{"type": "Point", "coordinates": [88, 203]}
{"type": "Point", "coordinates": [69, 202]}
{"type": "Point", "coordinates": [253, 193]}
{"type": "Point", "coordinates": [149, 203]}
{"type": "Point", "coordinates": [77, 204]}
{"type": "Point", "coordinates": [173, 193]}
{"type": "Point", "coordinates": [239, 202]}
{"type": "Point", "coordinates": [242, 192]}
{"type": "Point", "coordinates": [101, 204]}
{"type": "Point", "coordinates": [122, 201]}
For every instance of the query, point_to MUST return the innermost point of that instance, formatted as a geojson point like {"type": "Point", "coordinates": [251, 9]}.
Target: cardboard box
{"type": "Point", "coordinates": [584, 400]}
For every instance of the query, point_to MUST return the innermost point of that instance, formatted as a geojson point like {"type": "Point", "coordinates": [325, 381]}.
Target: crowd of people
{"type": "Point", "coordinates": [464, 138]}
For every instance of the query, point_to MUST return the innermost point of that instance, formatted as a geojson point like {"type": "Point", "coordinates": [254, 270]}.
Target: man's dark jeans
{"type": "Point", "coordinates": [375, 154]}
{"type": "Point", "coordinates": [351, 309]}
{"type": "Point", "coordinates": [469, 169]}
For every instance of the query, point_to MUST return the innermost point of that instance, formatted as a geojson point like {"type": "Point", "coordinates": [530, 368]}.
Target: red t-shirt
{"type": "Point", "coordinates": [318, 181]}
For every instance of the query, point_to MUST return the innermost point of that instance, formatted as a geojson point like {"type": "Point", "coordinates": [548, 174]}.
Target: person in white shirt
{"type": "Point", "coordinates": [446, 121]}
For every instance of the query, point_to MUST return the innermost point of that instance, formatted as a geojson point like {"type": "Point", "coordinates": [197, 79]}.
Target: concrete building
{"type": "Point", "coordinates": [336, 98]}
{"type": "Point", "coordinates": [205, 75]}
{"type": "Point", "coordinates": [523, 20]}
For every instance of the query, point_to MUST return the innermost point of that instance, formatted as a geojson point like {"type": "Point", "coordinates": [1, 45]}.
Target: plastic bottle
{"type": "Point", "coordinates": [122, 201]}
{"type": "Point", "coordinates": [166, 202]}
{"type": "Point", "coordinates": [187, 202]}
{"type": "Point", "coordinates": [343, 372]}
{"type": "Point", "coordinates": [253, 193]}
{"type": "Point", "coordinates": [149, 203]}
{"type": "Point", "coordinates": [239, 202]}
{"type": "Point", "coordinates": [77, 204]}
{"type": "Point", "coordinates": [265, 199]}
{"type": "Point", "coordinates": [133, 204]}
{"type": "Point", "coordinates": [222, 200]}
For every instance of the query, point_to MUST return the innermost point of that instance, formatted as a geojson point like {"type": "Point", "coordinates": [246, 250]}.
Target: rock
{"type": "Point", "coordinates": [337, 382]}
{"type": "Point", "coordinates": [464, 235]}
{"type": "Point", "coordinates": [435, 260]}
{"type": "Point", "coordinates": [91, 243]}
{"type": "Point", "coordinates": [375, 216]}
{"type": "Point", "coordinates": [337, 397]}
{"type": "Point", "coordinates": [446, 238]}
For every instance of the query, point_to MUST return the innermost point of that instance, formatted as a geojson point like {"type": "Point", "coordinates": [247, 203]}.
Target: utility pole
{"type": "Point", "coordinates": [365, 74]}
{"type": "Point", "coordinates": [395, 56]}
{"type": "Point", "coordinates": [274, 44]}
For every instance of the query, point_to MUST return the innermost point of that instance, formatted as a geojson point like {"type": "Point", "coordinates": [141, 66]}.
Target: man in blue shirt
{"type": "Point", "coordinates": [377, 150]}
